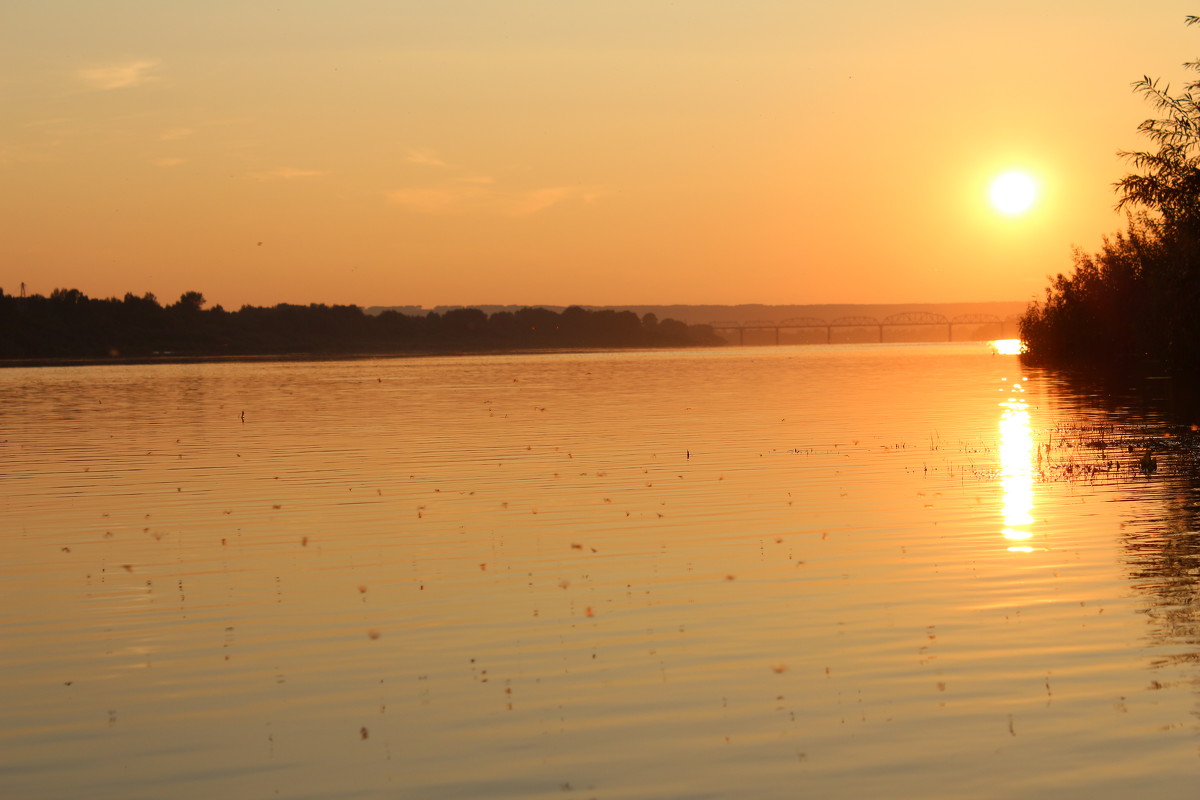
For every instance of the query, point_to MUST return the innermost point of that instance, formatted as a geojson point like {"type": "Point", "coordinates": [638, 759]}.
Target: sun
{"type": "Point", "coordinates": [1013, 193]}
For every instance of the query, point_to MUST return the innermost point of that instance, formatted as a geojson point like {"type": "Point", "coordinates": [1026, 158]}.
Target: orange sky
{"type": "Point", "coordinates": [560, 151]}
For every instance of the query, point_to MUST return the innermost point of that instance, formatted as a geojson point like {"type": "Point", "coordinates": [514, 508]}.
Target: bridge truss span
{"type": "Point", "coordinates": [916, 318]}
{"type": "Point", "coordinates": [990, 321]}
{"type": "Point", "coordinates": [903, 320]}
{"type": "Point", "coordinates": [977, 319]}
{"type": "Point", "coordinates": [855, 322]}
{"type": "Point", "coordinates": [804, 322]}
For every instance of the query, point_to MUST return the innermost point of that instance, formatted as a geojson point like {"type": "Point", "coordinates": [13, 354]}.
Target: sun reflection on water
{"type": "Point", "coordinates": [1008, 347]}
{"type": "Point", "coordinates": [1017, 470]}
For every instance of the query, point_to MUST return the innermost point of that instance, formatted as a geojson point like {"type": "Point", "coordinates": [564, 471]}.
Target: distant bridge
{"type": "Point", "coordinates": [905, 320]}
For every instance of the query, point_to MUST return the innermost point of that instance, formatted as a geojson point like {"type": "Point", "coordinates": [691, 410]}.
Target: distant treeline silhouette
{"type": "Point", "coordinates": [68, 324]}
{"type": "Point", "coordinates": [1136, 303]}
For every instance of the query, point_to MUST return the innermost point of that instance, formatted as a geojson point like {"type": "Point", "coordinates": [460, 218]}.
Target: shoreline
{"type": "Point", "coordinates": [86, 361]}
{"type": "Point", "coordinates": [180, 358]}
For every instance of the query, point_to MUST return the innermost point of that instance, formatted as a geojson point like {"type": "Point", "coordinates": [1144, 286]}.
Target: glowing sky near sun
{"type": "Point", "coordinates": [540, 151]}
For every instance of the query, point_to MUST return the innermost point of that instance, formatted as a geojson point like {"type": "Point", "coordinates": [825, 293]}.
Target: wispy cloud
{"type": "Point", "coordinates": [425, 156]}
{"type": "Point", "coordinates": [482, 198]}
{"type": "Point", "coordinates": [173, 134]}
{"type": "Point", "coordinates": [288, 173]}
{"type": "Point", "coordinates": [454, 189]}
{"type": "Point", "coordinates": [535, 200]}
{"type": "Point", "coordinates": [120, 75]}
{"type": "Point", "coordinates": [435, 200]}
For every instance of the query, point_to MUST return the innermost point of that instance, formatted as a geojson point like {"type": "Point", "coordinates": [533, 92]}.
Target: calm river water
{"type": "Point", "coordinates": [876, 571]}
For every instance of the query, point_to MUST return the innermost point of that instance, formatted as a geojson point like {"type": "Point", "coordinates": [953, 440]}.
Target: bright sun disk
{"type": "Point", "coordinates": [1013, 192]}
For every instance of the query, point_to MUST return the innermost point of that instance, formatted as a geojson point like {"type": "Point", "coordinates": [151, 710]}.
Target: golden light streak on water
{"type": "Point", "coordinates": [1008, 347]}
{"type": "Point", "coordinates": [1016, 469]}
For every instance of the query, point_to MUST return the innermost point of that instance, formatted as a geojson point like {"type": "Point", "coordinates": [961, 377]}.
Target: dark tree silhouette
{"type": "Point", "coordinates": [1169, 179]}
{"type": "Point", "coordinates": [190, 302]}
{"type": "Point", "coordinates": [1134, 304]}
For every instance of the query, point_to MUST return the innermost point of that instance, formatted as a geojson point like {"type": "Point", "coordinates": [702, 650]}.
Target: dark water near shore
{"type": "Point", "coordinates": [849, 571]}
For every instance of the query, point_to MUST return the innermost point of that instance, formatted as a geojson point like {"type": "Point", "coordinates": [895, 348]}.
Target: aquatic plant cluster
{"type": "Point", "coordinates": [1102, 453]}
{"type": "Point", "coordinates": [68, 324]}
{"type": "Point", "coordinates": [1134, 303]}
